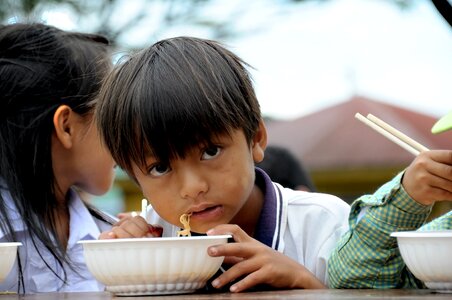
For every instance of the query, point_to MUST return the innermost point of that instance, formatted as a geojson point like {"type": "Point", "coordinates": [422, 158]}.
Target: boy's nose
{"type": "Point", "coordinates": [192, 185]}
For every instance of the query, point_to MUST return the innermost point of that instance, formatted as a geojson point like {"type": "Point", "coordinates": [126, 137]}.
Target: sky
{"type": "Point", "coordinates": [323, 55]}
{"type": "Point", "coordinates": [318, 55]}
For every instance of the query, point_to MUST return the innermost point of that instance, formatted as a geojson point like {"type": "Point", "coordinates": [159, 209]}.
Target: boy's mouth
{"type": "Point", "coordinates": [208, 212]}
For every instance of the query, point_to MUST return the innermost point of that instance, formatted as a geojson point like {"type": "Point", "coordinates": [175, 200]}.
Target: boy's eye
{"type": "Point", "coordinates": [158, 170]}
{"type": "Point", "coordinates": [211, 152]}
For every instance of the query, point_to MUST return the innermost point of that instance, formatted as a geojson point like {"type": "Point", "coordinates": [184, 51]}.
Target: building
{"type": "Point", "coordinates": [344, 156]}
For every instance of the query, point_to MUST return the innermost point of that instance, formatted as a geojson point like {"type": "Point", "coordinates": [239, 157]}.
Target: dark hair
{"type": "Point", "coordinates": [283, 167]}
{"type": "Point", "coordinates": [41, 68]}
{"type": "Point", "coordinates": [173, 96]}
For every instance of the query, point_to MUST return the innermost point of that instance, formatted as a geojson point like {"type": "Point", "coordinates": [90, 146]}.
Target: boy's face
{"type": "Point", "coordinates": [213, 183]}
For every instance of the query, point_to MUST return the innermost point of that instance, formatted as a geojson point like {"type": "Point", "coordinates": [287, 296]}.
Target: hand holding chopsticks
{"type": "Point", "coordinates": [392, 134]}
{"type": "Point", "coordinates": [428, 178]}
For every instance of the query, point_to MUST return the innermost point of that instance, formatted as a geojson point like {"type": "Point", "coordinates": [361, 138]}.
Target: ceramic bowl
{"type": "Point", "coordinates": [148, 266]}
{"type": "Point", "coordinates": [427, 255]}
{"type": "Point", "coordinates": [8, 253]}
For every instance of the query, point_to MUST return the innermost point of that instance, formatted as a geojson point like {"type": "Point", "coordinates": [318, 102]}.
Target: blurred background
{"type": "Point", "coordinates": [315, 63]}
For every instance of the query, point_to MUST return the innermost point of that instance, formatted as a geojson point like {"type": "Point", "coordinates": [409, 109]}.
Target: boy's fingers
{"type": "Point", "coordinates": [107, 235]}
{"type": "Point", "coordinates": [444, 171]}
{"type": "Point", "coordinates": [237, 233]}
{"type": "Point", "coordinates": [236, 271]}
{"type": "Point", "coordinates": [154, 230]}
{"type": "Point", "coordinates": [441, 194]}
{"type": "Point", "coordinates": [248, 282]}
{"type": "Point", "coordinates": [140, 222]}
{"type": "Point", "coordinates": [240, 251]}
{"type": "Point", "coordinates": [125, 215]}
{"type": "Point", "coordinates": [125, 218]}
{"type": "Point", "coordinates": [121, 233]}
{"type": "Point", "coordinates": [441, 156]}
{"type": "Point", "coordinates": [135, 227]}
{"type": "Point", "coordinates": [232, 260]}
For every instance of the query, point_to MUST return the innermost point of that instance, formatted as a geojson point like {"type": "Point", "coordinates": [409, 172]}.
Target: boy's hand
{"type": "Point", "coordinates": [132, 227]}
{"type": "Point", "coordinates": [129, 214]}
{"type": "Point", "coordinates": [429, 177]}
{"type": "Point", "coordinates": [255, 264]}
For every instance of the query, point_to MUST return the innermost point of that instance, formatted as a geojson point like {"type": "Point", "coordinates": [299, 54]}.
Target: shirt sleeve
{"type": "Point", "coordinates": [366, 256]}
{"type": "Point", "coordinates": [443, 222]}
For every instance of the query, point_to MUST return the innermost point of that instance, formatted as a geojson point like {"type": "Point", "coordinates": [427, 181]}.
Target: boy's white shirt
{"type": "Point", "coordinates": [37, 277]}
{"type": "Point", "coordinates": [308, 227]}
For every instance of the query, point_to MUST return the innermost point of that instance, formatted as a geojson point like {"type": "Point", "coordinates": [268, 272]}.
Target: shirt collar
{"type": "Point", "coordinates": [268, 224]}
{"type": "Point", "coordinates": [82, 225]}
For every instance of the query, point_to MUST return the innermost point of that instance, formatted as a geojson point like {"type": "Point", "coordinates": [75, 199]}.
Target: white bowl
{"type": "Point", "coordinates": [8, 253]}
{"type": "Point", "coordinates": [148, 266]}
{"type": "Point", "coordinates": [428, 255]}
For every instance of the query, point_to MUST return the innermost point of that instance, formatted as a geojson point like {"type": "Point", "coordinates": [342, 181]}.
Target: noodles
{"type": "Point", "coordinates": [185, 220]}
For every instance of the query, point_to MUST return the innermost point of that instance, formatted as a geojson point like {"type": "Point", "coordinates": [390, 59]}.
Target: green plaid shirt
{"type": "Point", "coordinates": [366, 256]}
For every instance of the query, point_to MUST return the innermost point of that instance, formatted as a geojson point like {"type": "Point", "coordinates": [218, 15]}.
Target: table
{"type": "Point", "coordinates": [267, 295]}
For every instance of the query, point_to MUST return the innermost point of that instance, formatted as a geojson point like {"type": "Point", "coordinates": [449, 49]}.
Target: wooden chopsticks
{"type": "Point", "coordinates": [392, 134]}
{"type": "Point", "coordinates": [144, 208]}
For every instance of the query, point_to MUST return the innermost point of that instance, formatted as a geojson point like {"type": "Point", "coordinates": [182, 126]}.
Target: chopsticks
{"type": "Point", "coordinates": [143, 213]}
{"type": "Point", "coordinates": [144, 205]}
{"type": "Point", "coordinates": [392, 134]}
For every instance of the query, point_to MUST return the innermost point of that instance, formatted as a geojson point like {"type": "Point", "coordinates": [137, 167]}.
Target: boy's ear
{"type": "Point", "coordinates": [259, 142]}
{"type": "Point", "coordinates": [62, 122]}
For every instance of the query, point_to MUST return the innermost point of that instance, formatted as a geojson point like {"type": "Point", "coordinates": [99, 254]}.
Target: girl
{"type": "Point", "coordinates": [49, 148]}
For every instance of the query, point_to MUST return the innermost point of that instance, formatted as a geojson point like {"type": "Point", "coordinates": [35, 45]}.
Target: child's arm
{"type": "Point", "coordinates": [132, 227]}
{"type": "Point", "coordinates": [367, 257]}
{"type": "Point", "coordinates": [254, 263]}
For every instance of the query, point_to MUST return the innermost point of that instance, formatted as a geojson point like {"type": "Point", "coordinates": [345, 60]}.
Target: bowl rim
{"type": "Point", "coordinates": [157, 239]}
{"type": "Point", "coordinates": [426, 234]}
{"type": "Point", "coordinates": [9, 244]}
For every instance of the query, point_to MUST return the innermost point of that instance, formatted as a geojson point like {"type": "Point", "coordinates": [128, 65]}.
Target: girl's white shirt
{"type": "Point", "coordinates": [36, 275]}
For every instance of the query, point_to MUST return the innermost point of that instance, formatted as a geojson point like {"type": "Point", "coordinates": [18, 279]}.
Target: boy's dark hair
{"type": "Point", "coordinates": [175, 95]}
{"type": "Point", "coordinates": [283, 167]}
{"type": "Point", "coordinates": [41, 68]}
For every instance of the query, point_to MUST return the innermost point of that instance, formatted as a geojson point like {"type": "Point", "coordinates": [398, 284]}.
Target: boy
{"type": "Point", "coordinates": [181, 117]}
{"type": "Point", "coordinates": [367, 257]}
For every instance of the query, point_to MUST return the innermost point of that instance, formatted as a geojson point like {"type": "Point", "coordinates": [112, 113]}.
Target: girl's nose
{"type": "Point", "coordinates": [192, 184]}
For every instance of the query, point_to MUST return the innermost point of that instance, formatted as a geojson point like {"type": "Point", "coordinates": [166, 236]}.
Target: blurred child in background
{"type": "Point", "coordinates": [284, 168]}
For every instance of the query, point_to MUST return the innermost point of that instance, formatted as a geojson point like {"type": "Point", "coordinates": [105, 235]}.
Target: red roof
{"type": "Point", "coordinates": [332, 138]}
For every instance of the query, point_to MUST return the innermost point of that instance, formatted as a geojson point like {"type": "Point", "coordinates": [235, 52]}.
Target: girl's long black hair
{"type": "Point", "coordinates": [41, 68]}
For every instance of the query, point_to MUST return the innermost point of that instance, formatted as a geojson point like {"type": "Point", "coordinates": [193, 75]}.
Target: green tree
{"type": "Point", "coordinates": [102, 16]}
{"type": "Point", "coordinates": [153, 16]}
